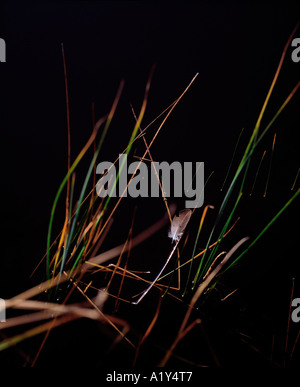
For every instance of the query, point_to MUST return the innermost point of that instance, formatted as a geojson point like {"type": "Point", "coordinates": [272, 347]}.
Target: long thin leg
{"type": "Point", "coordinates": [158, 275]}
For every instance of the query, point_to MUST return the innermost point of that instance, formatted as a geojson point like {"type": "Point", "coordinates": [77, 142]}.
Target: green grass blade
{"type": "Point", "coordinates": [265, 228]}
{"type": "Point", "coordinates": [61, 187]}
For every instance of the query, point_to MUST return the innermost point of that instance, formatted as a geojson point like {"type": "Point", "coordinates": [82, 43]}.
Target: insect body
{"type": "Point", "coordinates": [179, 224]}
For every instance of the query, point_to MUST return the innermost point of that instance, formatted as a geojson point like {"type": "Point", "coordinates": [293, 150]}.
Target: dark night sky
{"type": "Point", "coordinates": [235, 47]}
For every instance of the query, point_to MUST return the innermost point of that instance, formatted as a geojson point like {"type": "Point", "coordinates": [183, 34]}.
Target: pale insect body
{"type": "Point", "coordinates": [176, 231]}
{"type": "Point", "coordinates": [179, 224]}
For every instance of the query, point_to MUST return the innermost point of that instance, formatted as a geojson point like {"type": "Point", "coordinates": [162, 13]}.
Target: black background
{"type": "Point", "coordinates": [235, 47]}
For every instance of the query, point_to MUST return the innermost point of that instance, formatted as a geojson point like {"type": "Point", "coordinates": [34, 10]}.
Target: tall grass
{"type": "Point", "coordinates": [73, 256]}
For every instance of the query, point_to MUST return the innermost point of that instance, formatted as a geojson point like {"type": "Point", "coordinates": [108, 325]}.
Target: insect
{"type": "Point", "coordinates": [176, 231]}
{"type": "Point", "coordinates": [179, 224]}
